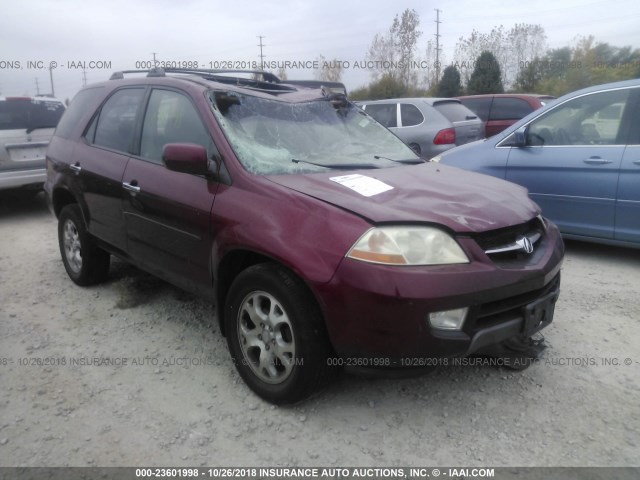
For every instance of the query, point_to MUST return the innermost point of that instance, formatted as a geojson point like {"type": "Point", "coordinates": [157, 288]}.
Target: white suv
{"type": "Point", "coordinates": [26, 127]}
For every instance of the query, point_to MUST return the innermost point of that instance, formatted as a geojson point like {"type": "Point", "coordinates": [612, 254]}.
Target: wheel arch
{"type": "Point", "coordinates": [231, 265]}
{"type": "Point", "coordinates": [62, 197]}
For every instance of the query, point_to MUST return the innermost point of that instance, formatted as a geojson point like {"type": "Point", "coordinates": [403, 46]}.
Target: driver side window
{"type": "Point", "coordinates": [171, 118]}
{"type": "Point", "coordinates": [593, 119]}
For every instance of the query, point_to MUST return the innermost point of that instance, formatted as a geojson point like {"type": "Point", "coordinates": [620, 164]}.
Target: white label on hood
{"type": "Point", "coordinates": [362, 184]}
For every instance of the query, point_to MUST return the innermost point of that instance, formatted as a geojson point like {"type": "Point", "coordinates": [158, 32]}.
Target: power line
{"type": "Point", "coordinates": [438, 22]}
{"type": "Point", "coordinates": [53, 92]}
{"type": "Point", "coordinates": [261, 45]}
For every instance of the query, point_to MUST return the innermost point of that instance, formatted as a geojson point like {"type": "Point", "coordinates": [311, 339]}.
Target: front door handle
{"type": "Point", "coordinates": [75, 168]}
{"type": "Point", "coordinates": [637, 162]}
{"type": "Point", "coordinates": [596, 161]}
{"type": "Point", "coordinates": [132, 187]}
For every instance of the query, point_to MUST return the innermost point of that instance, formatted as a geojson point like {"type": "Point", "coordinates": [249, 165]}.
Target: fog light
{"type": "Point", "coordinates": [448, 319]}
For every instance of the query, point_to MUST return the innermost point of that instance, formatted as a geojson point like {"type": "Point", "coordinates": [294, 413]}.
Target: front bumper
{"type": "Point", "coordinates": [379, 314]}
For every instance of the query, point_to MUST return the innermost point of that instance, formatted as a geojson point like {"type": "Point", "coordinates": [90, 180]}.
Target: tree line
{"type": "Point", "coordinates": [514, 60]}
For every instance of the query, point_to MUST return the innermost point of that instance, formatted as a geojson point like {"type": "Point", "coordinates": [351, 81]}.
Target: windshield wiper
{"type": "Point", "coordinates": [408, 161]}
{"type": "Point", "coordinates": [338, 166]}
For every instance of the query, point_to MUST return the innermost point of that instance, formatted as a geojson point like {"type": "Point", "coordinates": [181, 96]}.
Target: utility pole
{"type": "Point", "coordinates": [84, 77]}
{"type": "Point", "coordinates": [37, 87]}
{"type": "Point", "coordinates": [155, 62]}
{"type": "Point", "coordinates": [53, 92]}
{"type": "Point", "coordinates": [261, 45]}
{"type": "Point", "coordinates": [438, 22]}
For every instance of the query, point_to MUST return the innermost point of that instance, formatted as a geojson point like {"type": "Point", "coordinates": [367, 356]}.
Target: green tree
{"type": "Point", "coordinates": [449, 85]}
{"type": "Point", "coordinates": [587, 63]}
{"type": "Point", "coordinates": [529, 77]}
{"type": "Point", "coordinates": [486, 76]}
{"type": "Point", "coordinates": [387, 87]}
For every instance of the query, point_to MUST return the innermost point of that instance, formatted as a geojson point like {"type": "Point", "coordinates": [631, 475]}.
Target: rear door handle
{"type": "Point", "coordinates": [596, 161]}
{"type": "Point", "coordinates": [76, 168]}
{"type": "Point", "coordinates": [637, 162]}
{"type": "Point", "coordinates": [132, 187]}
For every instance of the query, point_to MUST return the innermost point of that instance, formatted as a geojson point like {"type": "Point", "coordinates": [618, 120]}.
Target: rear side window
{"type": "Point", "coordinates": [79, 105]}
{"type": "Point", "coordinates": [454, 111]}
{"type": "Point", "coordinates": [479, 106]}
{"type": "Point", "coordinates": [384, 113]}
{"type": "Point", "coordinates": [115, 125]}
{"type": "Point", "coordinates": [410, 115]}
{"type": "Point", "coordinates": [509, 109]}
{"type": "Point", "coordinates": [27, 113]}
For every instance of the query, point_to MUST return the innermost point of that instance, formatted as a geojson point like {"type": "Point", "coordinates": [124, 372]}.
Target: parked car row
{"type": "Point", "coordinates": [428, 125]}
{"type": "Point", "coordinates": [579, 157]}
{"type": "Point", "coordinates": [323, 239]}
{"type": "Point", "coordinates": [499, 111]}
{"type": "Point", "coordinates": [26, 127]}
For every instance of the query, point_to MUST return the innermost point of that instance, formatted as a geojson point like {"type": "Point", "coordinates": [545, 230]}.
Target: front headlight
{"type": "Point", "coordinates": [436, 159]}
{"type": "Point", "coordinates": [408, 246]}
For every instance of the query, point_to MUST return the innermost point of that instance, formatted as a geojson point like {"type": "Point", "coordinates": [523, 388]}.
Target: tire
{"type": "Point", "coordinates": [276, 335]}
{"type": "Point", "coordinates": [85, 263]}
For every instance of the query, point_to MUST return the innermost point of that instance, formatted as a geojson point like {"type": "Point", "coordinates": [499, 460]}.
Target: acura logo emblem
{"type": "Point", "coordinates": [525, 244]}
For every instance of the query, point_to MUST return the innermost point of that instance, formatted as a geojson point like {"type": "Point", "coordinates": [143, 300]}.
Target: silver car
{"type": "Point", "coordinates": [429, 126]}
{"type": "Point", "coordinates": [26, 127]}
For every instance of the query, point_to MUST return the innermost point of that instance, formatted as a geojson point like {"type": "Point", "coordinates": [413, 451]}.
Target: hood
{"type": "Point", "coordinates": [461, 200]}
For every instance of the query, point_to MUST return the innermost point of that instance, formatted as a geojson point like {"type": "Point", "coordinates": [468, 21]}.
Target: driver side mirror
{"type": "Point", "coordinates": [520, 137]}
{"type": "Point", "coordinates": [186, 158]}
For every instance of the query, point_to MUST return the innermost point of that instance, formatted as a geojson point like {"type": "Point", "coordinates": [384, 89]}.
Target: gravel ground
{"type": "Point", "coordinates": [176, 400]}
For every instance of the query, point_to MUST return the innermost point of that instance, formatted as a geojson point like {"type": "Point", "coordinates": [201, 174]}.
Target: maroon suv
{"type": "Point", "coordinates": [323, 240]}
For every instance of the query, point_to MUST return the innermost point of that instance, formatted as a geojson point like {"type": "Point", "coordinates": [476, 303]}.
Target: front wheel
{"type": "Point", "coordinates": [85, 263]}
{"type": "Point", "coordinates": [276, 335]}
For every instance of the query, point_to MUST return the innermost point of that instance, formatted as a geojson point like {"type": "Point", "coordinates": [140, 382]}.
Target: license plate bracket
{"type": "Point", "coordinates": [539, 314]}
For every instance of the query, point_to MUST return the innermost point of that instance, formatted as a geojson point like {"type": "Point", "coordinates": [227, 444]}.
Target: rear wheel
{"type": "Point", "coordinates": [85, 263]}
{"type": "Point", "coordinates": [276, 335]}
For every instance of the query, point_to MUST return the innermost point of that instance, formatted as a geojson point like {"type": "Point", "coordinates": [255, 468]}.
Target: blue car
{"type": "Point", "coordinates": [579, 157]}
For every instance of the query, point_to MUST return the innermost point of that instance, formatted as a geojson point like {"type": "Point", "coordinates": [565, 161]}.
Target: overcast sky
{"type": "Point", "coordinates": [116, 34]}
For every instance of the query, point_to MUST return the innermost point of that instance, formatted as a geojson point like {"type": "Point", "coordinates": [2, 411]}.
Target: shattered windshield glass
{"type": "Point", "coordinates": [273, 137]}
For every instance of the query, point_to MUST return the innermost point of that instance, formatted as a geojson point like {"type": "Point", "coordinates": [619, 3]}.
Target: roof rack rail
{"type": "Point", "coordinates": [269, 83]}
{"type": "Point", "coordinates": [161, 72]}
{"type": "Point", "coordinates": [267, 77]}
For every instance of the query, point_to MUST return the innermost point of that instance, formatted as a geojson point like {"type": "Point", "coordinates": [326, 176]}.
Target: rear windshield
{"type": "Point", "coordinates": [454, 111]}
{"type": "Point", "coordinates": [27, 113]}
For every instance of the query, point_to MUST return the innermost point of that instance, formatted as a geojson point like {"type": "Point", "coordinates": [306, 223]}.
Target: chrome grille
{"type": "Point", "coordinates": [511, 243]}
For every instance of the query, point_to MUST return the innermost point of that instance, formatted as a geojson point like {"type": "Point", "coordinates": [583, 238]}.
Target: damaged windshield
{"type": "Point", "coordinates": [274, 137]}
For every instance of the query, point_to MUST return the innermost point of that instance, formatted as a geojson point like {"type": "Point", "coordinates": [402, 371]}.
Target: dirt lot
{"type": "Point", "coordinates": [175, 399]}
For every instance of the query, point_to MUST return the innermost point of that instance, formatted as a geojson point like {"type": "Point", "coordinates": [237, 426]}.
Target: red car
{"type": "Point", "coordinates": [323, 240]}
{"type": "Point", "coordinates": [499, 111]}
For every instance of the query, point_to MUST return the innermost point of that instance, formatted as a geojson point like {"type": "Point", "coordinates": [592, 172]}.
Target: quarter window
{"type": "Point", "coordinates": [84, 100]}
{"type": "Point", "coordinates": [410, 115]}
